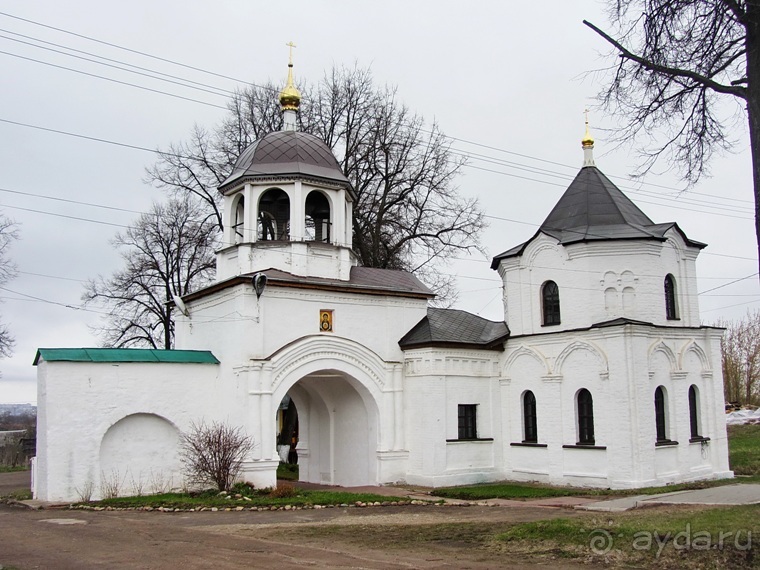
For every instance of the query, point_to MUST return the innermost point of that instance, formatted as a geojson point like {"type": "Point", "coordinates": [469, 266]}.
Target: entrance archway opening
{"type": "Point", "coordinates": [337, 433]}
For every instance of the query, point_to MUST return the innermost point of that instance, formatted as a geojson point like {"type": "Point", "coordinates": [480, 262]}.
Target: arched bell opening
{"type": "Point", "coordinates": [274, 216]}
{"type": "Point", "coordinates": [238, 227]}
{"type": "Point", "coordinates": [317, 222]}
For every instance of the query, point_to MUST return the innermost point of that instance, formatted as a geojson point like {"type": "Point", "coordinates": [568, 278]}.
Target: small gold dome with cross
{"type": "Point", "coordinates": [290, 97]}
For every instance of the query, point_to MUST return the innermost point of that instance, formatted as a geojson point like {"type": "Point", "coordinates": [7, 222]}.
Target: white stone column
{"type": "Point", "coordinates": [398, 404]}
{"type": "Point", "coordinates": [297, 212]}
{"type": "Point", "coordinates": [268, 441]}
{"type": "Point", "coordinates": [550, 423]}
{"type": "Point", "coordinates": [505, 399]}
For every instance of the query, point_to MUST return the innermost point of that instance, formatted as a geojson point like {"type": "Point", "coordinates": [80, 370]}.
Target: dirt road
{"type": "Point", "coordinates": [327, 538]}
{"type": "Point", "coordinates": [385, 537]}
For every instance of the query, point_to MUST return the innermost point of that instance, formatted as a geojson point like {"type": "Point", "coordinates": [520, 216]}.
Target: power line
{"type": "Point", "coordinates": [69, 201]}
{"type": "Point", "coordinates": [52, 276]}
{"type": "Point", "coordinates": [106, 59]}
{"type": "Point", "coordinates": [65, 216]}
{"type": "Point", "coordinates": [166, 153]}
{"type": "Point", "coordinates": [476, 155]}
{"type": "Point", "coordinates": [114, 80]}
{"type": "Point", "coordinates": [224, 92]}
{"type": "Point", "coordinates": [122, 47]}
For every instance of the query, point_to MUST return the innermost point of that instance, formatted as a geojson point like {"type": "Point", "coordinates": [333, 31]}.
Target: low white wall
{"type": "Point", "coordinates": [105, 424]}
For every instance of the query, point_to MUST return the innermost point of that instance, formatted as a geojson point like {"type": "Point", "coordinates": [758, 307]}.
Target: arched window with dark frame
{"type": "Point", "coordinates": [585, 418]}
{"type": "Point", "coordinates": [530, 427]}
{"type": "Point", "coordinates": [694, 412]}
{"type": "Point", "coordinates": [671, 305]}
{"type": "Point", "coordinates": [659, 414]}
{"type": "Point", "coordinates": [550, 303]}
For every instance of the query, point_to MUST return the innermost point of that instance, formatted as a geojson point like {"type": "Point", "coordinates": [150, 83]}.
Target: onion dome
{"type": "Point", "coordinates": [290, 97]}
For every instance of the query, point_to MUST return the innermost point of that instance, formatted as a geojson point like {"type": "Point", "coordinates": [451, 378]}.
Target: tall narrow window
{"type": "Point", "coordinates": [550, 303]}
{"type": "Point", "coordinates": [671, 307]}
{"type": "Point", "coordinates": [694, 411]}
{"type": "Point", "coordinates": [467, 421]}
{"type": "Point", "coordinates": [659, 414]}
{"type": "Point", "coordinates": [585, 418]}
{"type": "Point", "coordinates": [529, 418]}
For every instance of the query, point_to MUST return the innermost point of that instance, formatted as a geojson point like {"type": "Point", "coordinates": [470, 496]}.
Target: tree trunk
{"type": "Point", "coordinates": [752, 43]}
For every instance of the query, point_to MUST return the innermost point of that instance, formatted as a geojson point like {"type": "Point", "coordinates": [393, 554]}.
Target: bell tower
{"type": "Point", "coordinates": [287, 205]}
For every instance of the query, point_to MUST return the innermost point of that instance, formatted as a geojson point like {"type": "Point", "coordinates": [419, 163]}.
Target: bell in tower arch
{"type": "Point", "coordinates": [317, 209]}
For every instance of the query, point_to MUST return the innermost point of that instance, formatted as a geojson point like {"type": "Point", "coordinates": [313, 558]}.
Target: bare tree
{"type": "Point", "coordinates": [168, 251]}
{"type": "Point", "coordinates": [740, 348]}
{"type": "Point", "coordinates": [213, 454]}
{"type": "Point", "coordinates": [8, 234]}
{"type": "Point", "coordinates": [409, 213]}
{"type": "Point", "coordinates": [685, 69]}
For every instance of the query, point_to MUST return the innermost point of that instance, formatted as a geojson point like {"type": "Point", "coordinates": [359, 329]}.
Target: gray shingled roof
{"type": "Point", "coordinates": [286, 153]}
{"type": "Point", "coordinates": [455, 328]}
{"type": "Point", "coordinates": [362, 280]}
{"type": "Point", "coordinates": [391, 280]}
{"type": "Point", "coordinates": [594, 209]}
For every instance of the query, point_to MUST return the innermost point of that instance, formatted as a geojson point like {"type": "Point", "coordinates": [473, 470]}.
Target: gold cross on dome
{"type": "Point", "coordinates": [586, 112]}
{"type": "Point", "coordinates": [291, 45]}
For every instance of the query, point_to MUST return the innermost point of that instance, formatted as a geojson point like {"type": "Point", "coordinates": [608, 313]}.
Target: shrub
{"type": "Point", "coordinates": [213, 454]}
{"type": "Point", "coordinates": [283, 491]}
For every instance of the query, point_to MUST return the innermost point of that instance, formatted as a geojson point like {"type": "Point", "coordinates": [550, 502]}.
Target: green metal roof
{"type": "Point", "coordinates": [124, 355]}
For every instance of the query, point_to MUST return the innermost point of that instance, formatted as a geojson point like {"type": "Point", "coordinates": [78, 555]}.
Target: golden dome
{"type": "Point", "coordinates": [587, 141]}
{"type": "Point", "coordinates": [290, 97]}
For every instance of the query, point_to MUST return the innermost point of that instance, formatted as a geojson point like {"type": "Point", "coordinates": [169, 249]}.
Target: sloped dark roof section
{"type": "Point", "coordinates": [283, 154]}
{"type": "Point", "coordinates": [452, 328]}
{"type": "Point", "coordinates": [594, 209]}
{"type": "Point", "coordinates": [364, 280]}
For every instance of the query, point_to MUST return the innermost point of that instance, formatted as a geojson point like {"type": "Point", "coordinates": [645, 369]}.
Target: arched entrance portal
{"type": "Point", "coordinates": [337, 429]}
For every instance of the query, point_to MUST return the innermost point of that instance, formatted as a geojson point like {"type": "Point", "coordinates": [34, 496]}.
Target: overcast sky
{"type": "Point", "coordinates": [506, 79]}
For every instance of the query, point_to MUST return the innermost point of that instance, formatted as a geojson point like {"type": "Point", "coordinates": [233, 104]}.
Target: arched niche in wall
{"type": "Point", "coordinates": [140, 454]}
{"type": "Point", "coordinates": [274, 216]}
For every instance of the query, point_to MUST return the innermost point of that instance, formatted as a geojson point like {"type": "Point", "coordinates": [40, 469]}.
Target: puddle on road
{"type": "Point", "coordinates": [64, 521]}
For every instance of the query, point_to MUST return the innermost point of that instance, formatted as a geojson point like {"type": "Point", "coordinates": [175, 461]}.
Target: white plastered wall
{"type": "Point", "coordinates": [621, 368]}
{"type": "Point", "coordinates": [600, 281]}
{"type": "Point", "coordinates": [80, 402]}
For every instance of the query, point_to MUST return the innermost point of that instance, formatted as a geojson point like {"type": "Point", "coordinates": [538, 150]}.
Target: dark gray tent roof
{"type": "Point", "coordinates": [455, 328]}
{"type": "Point", "coordinates": [594, 209]}
{"type": "Point", "coordinates": [286, 153]}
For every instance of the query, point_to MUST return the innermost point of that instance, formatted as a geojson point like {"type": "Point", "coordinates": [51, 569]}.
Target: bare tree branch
{"type": "Point", "coordinates": [409, 213]}
{"type": "Point", "coordinates": [671, 71]}
{"type": "Point", "coordinates": [169, 251]}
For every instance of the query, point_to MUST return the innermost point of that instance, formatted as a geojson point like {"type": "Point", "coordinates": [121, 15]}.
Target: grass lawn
{"type": "Point", "coordinates": [665, 538]}
{"type": "Point", "coordinates": [256, 498]}
{"type": "Point", "coordinates": [287, 471]}
{"type": "Point", "coordinates": [7, 469]}
{"type": "Point", "coordinates": [744, 450]}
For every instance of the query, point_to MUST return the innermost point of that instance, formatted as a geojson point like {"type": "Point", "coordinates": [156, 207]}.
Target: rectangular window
{"type": "Point", "coordinates": [467, 421]}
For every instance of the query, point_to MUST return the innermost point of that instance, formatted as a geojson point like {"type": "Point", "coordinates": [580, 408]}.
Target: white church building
{"type": "Point", "coordinates": [600, 374]}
